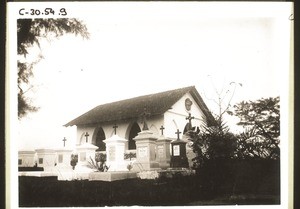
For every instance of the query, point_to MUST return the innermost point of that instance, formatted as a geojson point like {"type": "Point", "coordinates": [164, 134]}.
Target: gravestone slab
{"type": "Point", "coordinates": [163, 156]}
{"type": "Point", "coordinates": [145, 151]}
{"type": "Point", "coordinates": [26, 158]}
{"type": "Point", "coordinates": [46, 158]}
{"type": "Point", "coordinates": [179, 158]}
{"type": "Point", "coordinates": [86, 152]}
{"type": "Point", "coordinates": [115, 149]}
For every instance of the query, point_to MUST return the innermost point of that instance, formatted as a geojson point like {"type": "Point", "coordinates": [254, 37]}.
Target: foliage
{"type": "Point", "coordinates": [99, 162]}
{"type": "Point", "coordinates": [30, 32]}
{"type": "Point", "coordinates": [100, 157]}
{"type": "Point", "coordinates": [74, 160]}
{"type": "Point", "coordinates": [261, 120]}
{"type": "Point", "coordinates": [129, 155]}
{"type": "Point", "coordinates": [129, 166]}
{"type": "Point", "coordinates": [212, 143]}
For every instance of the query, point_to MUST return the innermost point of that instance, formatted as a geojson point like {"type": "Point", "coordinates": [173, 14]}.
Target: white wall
{"type": "Point", "coordinates": [175, 118]}
{"type": "Point", "coordinates": [123, 129]}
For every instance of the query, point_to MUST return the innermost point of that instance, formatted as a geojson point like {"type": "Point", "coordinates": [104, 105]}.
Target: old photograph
{"type": "Point", "coordinates": [149, 104]}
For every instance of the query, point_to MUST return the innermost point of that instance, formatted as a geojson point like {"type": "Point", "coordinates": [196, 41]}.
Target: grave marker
{"type": "Point", "coordinates": [179, 158]}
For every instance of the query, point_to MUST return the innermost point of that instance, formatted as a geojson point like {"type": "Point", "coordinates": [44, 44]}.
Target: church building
{"type": "Point", "coordinates": [165, 113]}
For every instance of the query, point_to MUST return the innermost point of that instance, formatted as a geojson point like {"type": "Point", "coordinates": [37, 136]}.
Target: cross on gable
{"type": "Point", "coordinates": [64, 140]}
{"type": "Point", "coordinates": [162, 130]}
{"type": "Point", "coordinates": [178, 132]}
{"type": "Point", "coordinates": [86, 135]}
{"type": "Point", "coordinates": [115, 128]}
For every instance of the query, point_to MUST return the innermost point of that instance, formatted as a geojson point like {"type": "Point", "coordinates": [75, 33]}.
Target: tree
{"type": "Point", "coordinates": [261, 120]}
{"type": "Point", "coordinates": [212, 143]}
{"type": "Point", "coordinates": [30, 33]}
{"type": "Point", "coordinates": [215, 142]}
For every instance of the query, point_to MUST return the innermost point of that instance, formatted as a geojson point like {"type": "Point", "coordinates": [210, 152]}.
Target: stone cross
{"type": "Point", "coordinates": [190, 121]}
{"type": "Point", "coordinates": [64, 140]}
{"type": "Point", "coordinates": [178, 132]}
{"type": "Point", "coordinates": [162, 130]}
{"type": "Point", "coordinates": [86, 135]}
{"type": "Point", "coordinates": [144, 116]}
{"type": "Point", "coordinates": [115, 128]}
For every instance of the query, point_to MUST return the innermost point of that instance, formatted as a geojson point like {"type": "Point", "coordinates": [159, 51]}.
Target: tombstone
{"type": "Point", "coordinates": [115, 149]}
{"type": "Point", "coordinates": [63, 157]}
{"type": "Point", "coordinates": [179, 158]}
{"type": "Point", "coordinates": [163, 150]}
{"type": "Point", "coordinates": [26, 158]}
{"type": "Point", "coordinates": [86, 152]}
{"type": "Point", "coordinates": [46, 158]}
{"type": "Point", "coordinates": [63, 168]}
{"type": "Point", "coordinates": [145, 151]}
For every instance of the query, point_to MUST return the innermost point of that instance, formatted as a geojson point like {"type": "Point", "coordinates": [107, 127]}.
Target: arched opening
{"type": "Point", "coordinates": [135, 129]}
{"type": "Point", "coordinates": [99, 140]}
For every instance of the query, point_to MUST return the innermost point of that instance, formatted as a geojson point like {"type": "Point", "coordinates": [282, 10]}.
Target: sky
{"type": "Point", "coordinates": [136, 49]}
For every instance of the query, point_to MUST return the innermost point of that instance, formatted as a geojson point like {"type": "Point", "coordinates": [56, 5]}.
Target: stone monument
{"type": "Point", "coordinates": [163, 150]}
{"type": "Point", "coordinates": [86, 152]}
{"type": "Point", "coordinates": [145, 149]}
{"type": "Point", "coordinates": [115, 149]}
{"type": "Point", "coordinates": [63, 156]}
{"type": "Point", "coordinates": [46, 158]}
{"type": "Point", "coordinates": [26, 158]}
{"type": "Point", "coordinates": [64, 169]}
{"type": "Point", "coordinates": [179, 158]}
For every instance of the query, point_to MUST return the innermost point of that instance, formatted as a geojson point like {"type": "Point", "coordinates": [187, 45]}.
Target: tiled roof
{"type": "Point", "coordinates": [154, 104]}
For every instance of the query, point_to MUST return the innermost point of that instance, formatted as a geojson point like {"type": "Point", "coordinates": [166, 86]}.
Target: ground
{"type": "Point", "coordinates": [177, 191]}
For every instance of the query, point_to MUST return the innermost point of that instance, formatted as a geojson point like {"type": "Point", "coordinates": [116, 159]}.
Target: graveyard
{"type": "Point", "coordinates": [142, 166]}
{"type": "Point", "coordinates": [141, 181]}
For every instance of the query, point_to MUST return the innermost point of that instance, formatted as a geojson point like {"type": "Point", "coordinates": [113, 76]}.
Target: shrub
{"type": "Point", "coordinates": [99, 162]}
{"type": "Point", "coordinates": [74, 160]}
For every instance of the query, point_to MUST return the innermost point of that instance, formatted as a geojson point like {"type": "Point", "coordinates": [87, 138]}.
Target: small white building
{"type": "Point", "coordinates": [168, 109]}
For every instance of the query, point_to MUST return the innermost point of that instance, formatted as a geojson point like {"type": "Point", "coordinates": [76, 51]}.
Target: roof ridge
{"type": "Point", "coordinates": [146, 95]}
{"type": "Point", "coordinates": [155, 103]}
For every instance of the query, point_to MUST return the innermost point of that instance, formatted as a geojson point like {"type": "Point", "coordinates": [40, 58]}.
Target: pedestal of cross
{"type": "Point", "coordinates": [115, 149]}
{"type": "Point", "coordinates": [63, 169]}
{"type": "Point", "coordinates": [178, 157]}
{"type": "Point", "coordinates": [46, 158]}
{"type": "Point", "coordinates": [86, 152]}
{"type": "Point", "coordinates": [163, 156]}
{"type": "Point", "coordinates": [145, 151]}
